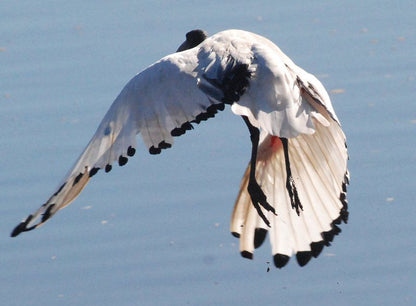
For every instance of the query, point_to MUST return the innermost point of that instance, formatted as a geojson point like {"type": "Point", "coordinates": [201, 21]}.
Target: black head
{"type": "Point", "coordinates": [193, 39]}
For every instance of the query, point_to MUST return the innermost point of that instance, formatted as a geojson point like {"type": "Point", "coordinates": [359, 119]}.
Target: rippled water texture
{"type": "Point", "coordinates": [156, 231]}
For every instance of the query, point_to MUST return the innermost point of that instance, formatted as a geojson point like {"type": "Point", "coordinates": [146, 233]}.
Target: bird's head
{"type": "Point", "coordinates": [193, 39]}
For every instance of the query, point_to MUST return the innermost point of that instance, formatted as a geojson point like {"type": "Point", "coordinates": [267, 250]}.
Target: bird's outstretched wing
{"type": "Point", "coordinates": [276, 96]}
{"type": "Point", "coordinates": [160, 103]}
{"type": "Point", "coordinates": [319, 169]}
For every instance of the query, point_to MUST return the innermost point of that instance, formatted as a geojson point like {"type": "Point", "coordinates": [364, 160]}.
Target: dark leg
{"type": "Point", "coordinates": [257, 195]}
{"type": "Point", "coordinates": [290, 183]}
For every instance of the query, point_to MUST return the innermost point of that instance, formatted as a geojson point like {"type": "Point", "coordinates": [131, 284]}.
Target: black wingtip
{"type": "Point", "coordinates": [22, 227]}
{"type": "Point", "coordinates": [303, 257]}
{"type": "Point", "coordinates": [77, 179]}
{"type": "Point", "coordinates": [247, 254]}
{"type": "Point", "coordinates": [47, 214]}
{"type": "Point", "coordinates": [280, 260]}
{"type": "Point", "coordinates": [317, 247]}
{"type": "Point", "coordinates": [328, 237]}
{"type": "Point", "coordinates": [235, 234]}
{"type": "Point", "coordinates": [153, 150]}
{"type": "Point", "coordinates": [182, 129]}
{"type": "Point", "coordinates": [122, 160]}
{"type": "Point", "coordinates": [259, 237]}
{"type": "Point", "coordinates": [131, 151]}
{"type": "Point", "coordinates": [108, 168]}
{"type": "Point", "coordinates": [164, 145]}
{"type": "Point", "coordinates": [93, 171]}
{"type": "Point", "coordinates": [18, 229]}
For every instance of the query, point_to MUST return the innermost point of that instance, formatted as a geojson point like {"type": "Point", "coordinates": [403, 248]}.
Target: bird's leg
{"type": "Point", "coordinates": [290, 183]}
{"type": "Point", "coordinates": [256, 193]}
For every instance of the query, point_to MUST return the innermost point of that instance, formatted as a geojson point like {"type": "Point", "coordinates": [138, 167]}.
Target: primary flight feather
{"type": "Point", "coordinates": [295, 184]}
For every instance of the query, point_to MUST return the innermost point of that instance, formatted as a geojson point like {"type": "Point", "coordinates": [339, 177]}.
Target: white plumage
{"type": "Point", "coordinates": [274, 96]}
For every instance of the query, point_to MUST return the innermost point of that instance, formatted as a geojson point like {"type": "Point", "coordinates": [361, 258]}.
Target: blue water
{"type": "Point", "coordinates": [156, 231]}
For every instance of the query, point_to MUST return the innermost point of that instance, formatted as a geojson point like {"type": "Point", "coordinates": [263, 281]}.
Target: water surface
{"type": "Point", "coordinates": [156, 231]}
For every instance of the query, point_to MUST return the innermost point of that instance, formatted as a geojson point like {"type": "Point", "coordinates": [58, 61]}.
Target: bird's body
{"type": "Point", "coordinates": [305, 193]}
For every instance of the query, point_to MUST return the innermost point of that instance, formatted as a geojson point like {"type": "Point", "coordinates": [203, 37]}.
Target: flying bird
{"type": "Point", "coordinates": [294, 187]}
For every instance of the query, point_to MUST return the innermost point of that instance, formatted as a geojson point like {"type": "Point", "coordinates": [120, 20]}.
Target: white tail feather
{"type": "Point", "coordinates": [319, 166]}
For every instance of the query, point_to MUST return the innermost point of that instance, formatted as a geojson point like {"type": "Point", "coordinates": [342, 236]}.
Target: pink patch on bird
{"type": "Point", "coordinates": [275, 143]}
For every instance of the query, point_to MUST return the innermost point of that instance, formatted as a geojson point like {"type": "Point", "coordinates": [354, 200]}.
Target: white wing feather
{"type": "Point", "coordinates": [319, 167]}
{"type": "Point", "coordinates": [282, 100]}
{"type": "Point", "coordinates": [158, 103]}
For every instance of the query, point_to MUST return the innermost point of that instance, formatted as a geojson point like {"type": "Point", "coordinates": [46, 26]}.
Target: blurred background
{"type": "Point", "coordinates": [156, 232]}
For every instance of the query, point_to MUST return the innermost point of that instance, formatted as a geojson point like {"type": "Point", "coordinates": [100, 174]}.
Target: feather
{"type": "Point", "coordinates": [260, 82]}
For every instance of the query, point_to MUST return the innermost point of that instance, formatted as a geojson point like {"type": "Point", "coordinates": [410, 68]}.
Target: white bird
{"type": "Point", "coordinates": [295, 184]}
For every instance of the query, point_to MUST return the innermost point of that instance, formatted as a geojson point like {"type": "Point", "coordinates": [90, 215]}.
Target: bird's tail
{"type": "Point", "coordinates": [319, 168]}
